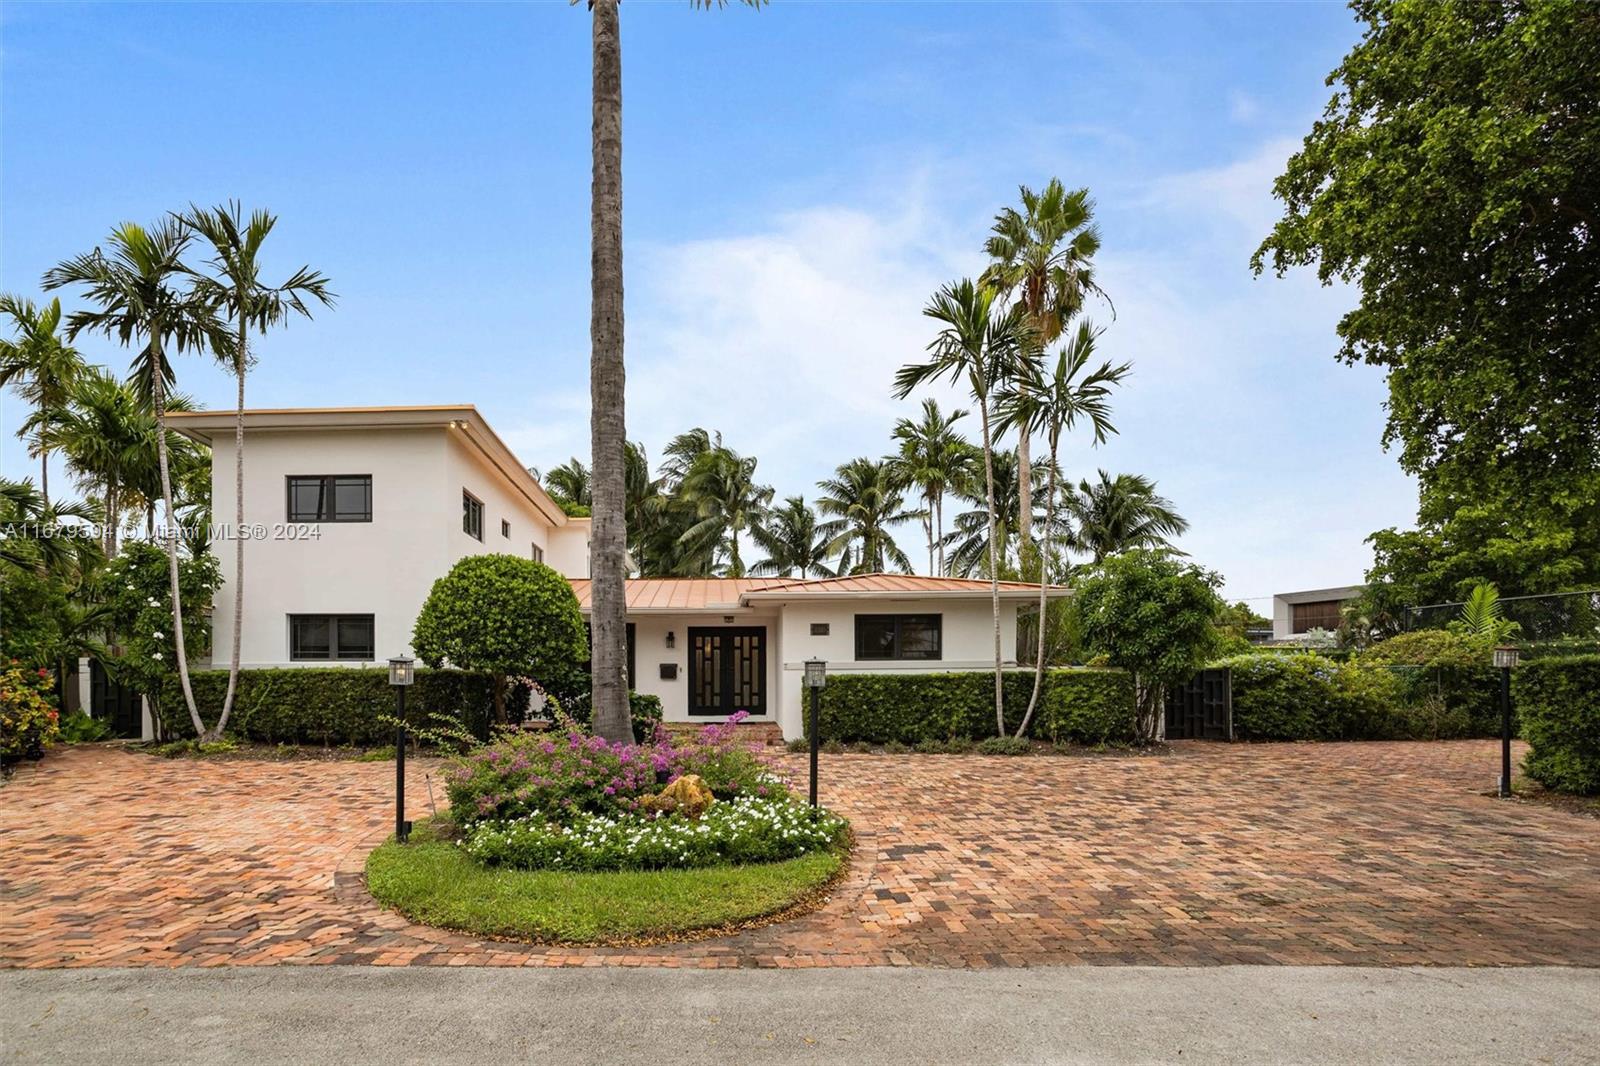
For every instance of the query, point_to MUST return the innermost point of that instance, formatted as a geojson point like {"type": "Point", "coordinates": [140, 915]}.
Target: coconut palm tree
{"type": "Point", "coordinates": [138, 285]}
{"type": "Point", "coordinates": [866, 498]}
{"type": "Point", "coordinates": [571, 482]}
{"type": "Point", "coordinates": [793, 541]}
{"type": "Point", "coordinates": [236, 288]}
{"type": "Point", "coordinates": [1122, 513]}
{"type": "Point", "coordinates": [608, 546]}
{"type": "Point", "coordinates": [1052, 403]}
{"type": "Point", "coordinates": [727, 502]}
{"type": "Point", "coordinates": [979, 343]}
{"type": "Point", "coordinates": [41, 367]}
{"type": "Point", "coordinates": [936, 459]}
{"type": "Point", "coordinates": [1040, 257]}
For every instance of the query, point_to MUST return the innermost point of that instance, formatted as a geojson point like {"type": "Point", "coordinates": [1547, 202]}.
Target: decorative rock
{"type": "Point", "coordinates": [688, 795]}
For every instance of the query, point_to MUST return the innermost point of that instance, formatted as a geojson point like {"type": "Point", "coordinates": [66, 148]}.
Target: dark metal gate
{"type": "Point", "coordinates": [1202, 707]}
{"type": "Point", "coordinates": [114, 703]}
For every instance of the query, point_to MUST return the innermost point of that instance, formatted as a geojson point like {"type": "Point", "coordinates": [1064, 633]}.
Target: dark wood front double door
{"type": "Point", "coordinates": [728, 670]}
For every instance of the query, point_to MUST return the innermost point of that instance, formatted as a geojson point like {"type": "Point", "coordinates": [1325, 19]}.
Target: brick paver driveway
{"type": "Point", "coordinates": [1335, 853]}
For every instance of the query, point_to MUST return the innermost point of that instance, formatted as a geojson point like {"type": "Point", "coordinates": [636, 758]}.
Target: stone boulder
{"type": "Point", "coordinates": [687, 795]}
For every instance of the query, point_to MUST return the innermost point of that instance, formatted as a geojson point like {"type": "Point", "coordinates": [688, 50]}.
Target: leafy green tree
{"type": "Point", "coordinates": [1122, 513]}
{"type": "Point", "coordinates": [235, 286]}
{"type": "Point", "coordinates": [1151, 615]}
{"type": "Point", "coordinates": [41, 367]}
{"type": "Point", "coordinates": [137, 592]}
{"type": "Point", "coordinates": [865, 499]}
{"type": "Point", "coordinates": [608, 546]}
{"type": "Point", "coordinates": [978, 344]}
{"type": "Point", "coordinates": [1453, 179]}
{"type": "Point", "coordinates": [506, 616]}
{"type": "Point", "coordinates": [793, 541]}
{"type": "Point", "coordinates": [936, 459]}
{"type": "Point", "coordinates": [1052, 401]}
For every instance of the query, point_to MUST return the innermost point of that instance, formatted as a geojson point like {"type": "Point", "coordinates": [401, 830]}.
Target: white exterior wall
{"type": "Point", "coordinates": [568, 551]}
{"type": "Point", "coordinates": [467, 470]}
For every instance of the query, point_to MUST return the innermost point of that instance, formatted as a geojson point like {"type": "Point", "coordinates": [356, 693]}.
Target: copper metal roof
{"type": "Point", "coordinates": [712, 593]}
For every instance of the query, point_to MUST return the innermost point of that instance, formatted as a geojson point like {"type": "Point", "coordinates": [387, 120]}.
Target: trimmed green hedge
{"type": "Point", "coordinates": [1558, 701]}
{"type": "Point", "coordinates": [345, 705]}
{"type": "Point", "coordinates": [1079, 706]}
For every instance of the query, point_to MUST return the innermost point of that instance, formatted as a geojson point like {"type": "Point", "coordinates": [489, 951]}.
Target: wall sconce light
{"type": "Point", "coordinates": [672, 641]}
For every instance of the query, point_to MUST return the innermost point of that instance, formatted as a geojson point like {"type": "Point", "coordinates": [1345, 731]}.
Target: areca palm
{"type": "Point", "coordinates": [30, 531]}
{"type": "Point", "coordinates": [41, 367]}
{"type": "Point", "coordinates": [236, 288]}
{"type": "Point", "coordinates": [865, 498]}
{"type": "Point", "coordinates": [794, 542]}
{"type": "Point", "coordinates": [1052, 402]}
{"type": "Point", "coordinates": [608, 433]}
{"type": "Point", "coordinates": [936, 459]}
{"type": "Point", "coordinates": [978, 343]}
{"type": "Point", "coordinates": [727, 502]}
{"type": "Point", "coordinates": [1122, 513]}
{"type": "Point", "coordinates": [137, 284]}
{"type": "Point", "coordinates": [1041, 257]}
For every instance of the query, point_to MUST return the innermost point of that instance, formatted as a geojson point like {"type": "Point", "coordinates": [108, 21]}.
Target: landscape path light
{"type": "Point", "coordinates": [816, 678]}
{"type": "Point", "coordinates": [402, 672]}
{"type": "Point", "coordinates": [1505, 658]}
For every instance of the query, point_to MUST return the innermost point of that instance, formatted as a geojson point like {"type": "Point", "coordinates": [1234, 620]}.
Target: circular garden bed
{"type": "Point", "coordinates": [562, 837]}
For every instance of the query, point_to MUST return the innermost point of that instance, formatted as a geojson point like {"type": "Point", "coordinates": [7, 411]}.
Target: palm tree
{"type": "Point", "coordinates": [42, 368]}
{"type": "Point", "coordinates": [727, 501]}
{"type": "Point", "coordinates": [103, 431]}
{"type": "Point", "coordinates": [1052, 404]}
{"type": "Point", "coordinates": [608, 544]}
{"type": "Point", "coordinates": [865, 498]}
{"type": "Point", "coordinates": [1041, 257]}
{"type": "Point", "coordinates": [980, 343]}
{"type": "Point", "coordinates": [571, 482]}
{"type": "Point", "coordinates": [33, 542]}
{"type": "Point", "coordinates": [793, 541]}
{"type": "Point", "coordinates": [936, 459]}
{"type": "Point", "coordinates": [1122, 513]}
{"type": "Point", "coordinates": [236, 288]}
{"type": "Point", "coordinates": [135, 287]}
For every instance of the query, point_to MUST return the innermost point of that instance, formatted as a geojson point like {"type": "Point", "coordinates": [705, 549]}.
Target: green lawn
{"type": "Point", "coordinates": [433, 882]}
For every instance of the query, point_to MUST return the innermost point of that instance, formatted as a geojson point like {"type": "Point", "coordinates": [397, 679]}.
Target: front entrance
{"type": "Point", "coordinates": [728, 670]}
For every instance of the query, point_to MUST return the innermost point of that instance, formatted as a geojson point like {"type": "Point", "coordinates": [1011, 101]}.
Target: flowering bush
{"type": "Point", "coordinates": [726, 764]}
{"type": "Point", "coordinates": [746, 829]}
{"type": "Point", "coordinates": [28, 720]}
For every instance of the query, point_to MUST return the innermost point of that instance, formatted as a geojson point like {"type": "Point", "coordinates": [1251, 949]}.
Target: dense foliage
{"type": "Point", "coordinates": [138, 594]}
{"type": "Point", "coordinates": [29, 721]}
{"type": "Point", "coordinates": [1455, 178]}
{"type": "Point", "coordinates": [1076, 706]}
{"type": "Point", "coordinates": [505, 616]}
{"type": "Point", "coordinates": [1558, 702]}
{"type": "Point", "coordinates": [1154, 616]}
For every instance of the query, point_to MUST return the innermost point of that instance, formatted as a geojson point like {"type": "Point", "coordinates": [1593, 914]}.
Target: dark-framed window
{"type": "Point", "coordinates": [314, 637]}
{"type": "Point", "coordinates": [471, 515]}
{"type": "Point", "coordinates": [330, 497]}
{"type": "Point", "coordinates": [505, 529]}
{"type": "Point", "coordinates": [536, 553]}
{"type": "Point", "coordinates": [899, 636]}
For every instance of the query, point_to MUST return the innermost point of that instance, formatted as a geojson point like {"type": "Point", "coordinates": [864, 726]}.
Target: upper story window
{"type": "Point", "coordinates": [536, 553]}
{"type": "Point", "coordinates": [471, 515]}
{"type": "Point", "coordinates": [1322, 614]}
{"type": "Point", "coordinates": [505, 529]}
{"type": "Point", "coordinates": [330, 497]}
{"type": "Point", "coordinates": [331, 636]}
{"type": "Point", "coordinates": [899, 636]}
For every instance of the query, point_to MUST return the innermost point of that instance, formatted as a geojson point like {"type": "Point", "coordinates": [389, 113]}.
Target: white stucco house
{"type": "Point", "coordinates": [352, 513]}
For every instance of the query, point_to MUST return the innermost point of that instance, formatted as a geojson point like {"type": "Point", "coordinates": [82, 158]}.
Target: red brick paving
{"type": "Point", "coordinates": [1321, 854]}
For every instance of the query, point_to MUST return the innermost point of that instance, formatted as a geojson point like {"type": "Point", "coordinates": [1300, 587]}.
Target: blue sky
{"type": "Point", "coordinates": [796, 183]}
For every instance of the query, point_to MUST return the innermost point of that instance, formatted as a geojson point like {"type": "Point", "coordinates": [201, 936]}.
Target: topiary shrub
{"type": "Point", "coordinates": [504, 616]}
{"type": "Point", "coordinates": [1558, 701]}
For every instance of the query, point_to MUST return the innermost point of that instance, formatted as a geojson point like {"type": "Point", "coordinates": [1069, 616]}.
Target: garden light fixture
{"type": "Point", "coordinates": [402, 673]}
{"type": "Point", "coordinates": [816, 677]}
{"type": "Point", "coordinates": [1505, 658]}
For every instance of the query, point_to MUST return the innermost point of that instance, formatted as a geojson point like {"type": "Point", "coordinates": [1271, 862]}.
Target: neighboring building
{"type": "Point", "coordinates": [1294, 614]}
{"type": "Point", "coordinates": [352, 514]}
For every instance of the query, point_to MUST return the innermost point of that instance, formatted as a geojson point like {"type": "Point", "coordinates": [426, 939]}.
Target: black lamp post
{"type": "Point", "coordinates": [816, 677]}
{"type": "Point", "coordinates": [402, 672]}
{"type": "Point", "coordinates": [1505, 657]}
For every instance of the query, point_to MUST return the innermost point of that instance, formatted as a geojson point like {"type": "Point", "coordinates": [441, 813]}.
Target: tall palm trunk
{"type": "Point", "coordinates": [927, 524]}
{"type": "Point", "coordinates": [1024, 500]}
{"type": "Point", "coordinates": [1044, 584]}
{"type": "Point", "coordinates": [240, 362]}
{"type": "Point", "coordinates": [994, 568]}
{"type": "Point", "coordinates": [608, 440]}
{"type": "Point", "coordinates": [44, 475]}
{"type": "Point", "coordinates": [158, 400]}
{"type": "Point", "coordinates": [939, 517]}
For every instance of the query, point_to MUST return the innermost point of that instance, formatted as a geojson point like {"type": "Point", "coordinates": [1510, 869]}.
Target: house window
{"type": "Point", "coordinates": [505, 529]}
{"type": "Point", "coordinates": [330, 498]}
{"type": "Point", "coordinates": [1322, 614]}
{"type": "Point", "coordinates": [899, 636]}
{"type": "Point", "coordinates": [471, 515]}
{"type": "Point", "coordinates": [331, 636]}
{"type": "Point", "coordinates": [536, 553]}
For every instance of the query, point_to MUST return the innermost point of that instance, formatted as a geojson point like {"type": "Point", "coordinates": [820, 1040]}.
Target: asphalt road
{"type": "Point", "coordinates": [351, 1016]}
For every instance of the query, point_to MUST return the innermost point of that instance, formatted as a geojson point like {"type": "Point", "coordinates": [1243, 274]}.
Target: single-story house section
{"type": "Point", "coordinates": [351, 514]}
{"type": "Point", "coordinates": [1294, 614]}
